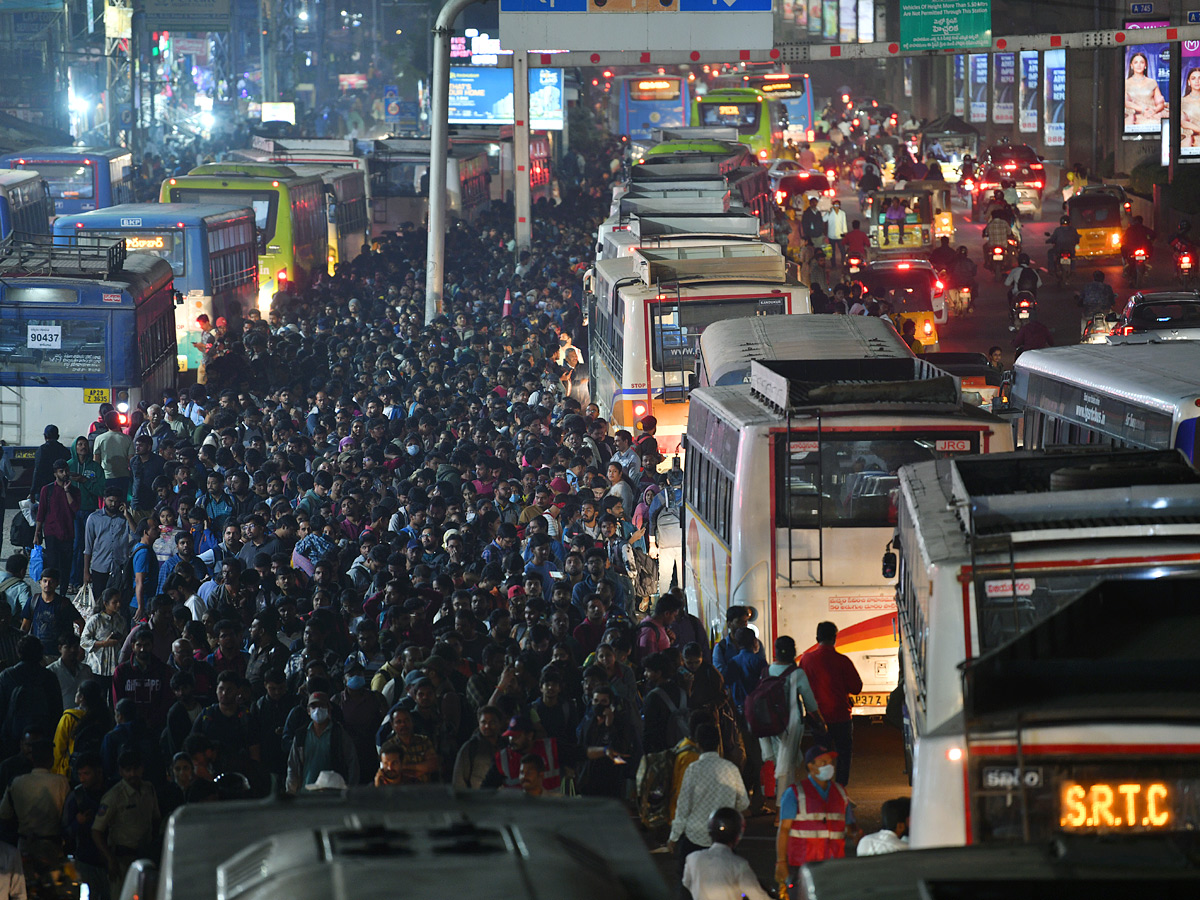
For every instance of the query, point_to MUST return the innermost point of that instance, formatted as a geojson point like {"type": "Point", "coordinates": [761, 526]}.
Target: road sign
{"type": "Point", "coordinates": [1141, 9]}
{"type": "Point", "coordinates": [938, 24]}
{"type": "Point", "coordinates": [598, 25]}
{"type": "Point", "coordinates": [1194, 18]}
{"type": "Point", "coordinates": [391, 103]}
{"type": "Point", "coordinates": [125, 116]}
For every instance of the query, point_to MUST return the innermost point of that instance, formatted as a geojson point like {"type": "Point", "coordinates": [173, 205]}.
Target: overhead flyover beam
{"type": "Point", "coordinates": [806, 53]}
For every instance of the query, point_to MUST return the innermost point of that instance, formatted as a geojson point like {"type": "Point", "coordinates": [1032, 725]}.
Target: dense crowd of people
{"type": "Point", "coordinates": [369, 549]}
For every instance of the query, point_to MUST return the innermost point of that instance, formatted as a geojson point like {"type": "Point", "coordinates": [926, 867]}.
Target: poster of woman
{"type": "Point", "coordinates": [1147, 68]}
{"type": "Point", "coordinates": [1189, 105]}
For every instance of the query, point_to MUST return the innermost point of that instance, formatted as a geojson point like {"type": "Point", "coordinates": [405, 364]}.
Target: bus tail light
{"type": "Point", "coordinates": [954, 754]}
{"type": "Point", "coordinates": [281, 278]}
{"type": "Point", "coordinates": [639, 409]}
{"type": "Point", "coordinates": [762, 154]}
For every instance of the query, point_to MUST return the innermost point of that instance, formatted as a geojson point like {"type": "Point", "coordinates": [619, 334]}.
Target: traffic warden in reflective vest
{"type": "Point", "coordinates": [522, 740]}
{"type": "Point", "coordinates": [813, 818]}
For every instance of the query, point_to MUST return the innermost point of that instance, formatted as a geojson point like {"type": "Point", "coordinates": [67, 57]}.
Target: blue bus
{"type": "Point", "coordinates": [25, 204]}
{"type": "Point", "coordinates": [79, 178]}
{"type": "Point", "coordinates": [642, 103]}
{"type": "Point", "coordinates": [212, 249]}
{"type": "Point", "coordinates": [80, 326]}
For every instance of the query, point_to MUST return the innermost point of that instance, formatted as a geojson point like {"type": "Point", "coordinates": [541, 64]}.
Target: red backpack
{"type": "Point", "coordinates": [768, 707]}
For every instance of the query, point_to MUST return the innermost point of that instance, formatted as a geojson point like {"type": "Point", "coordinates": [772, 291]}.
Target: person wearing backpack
{"type": "Point", "coordinates": [665, 711]}
{"type": "Point", "coordinates": [654, 633]}
{"type": "Point", "coordinates": [781, 752]}
{"type": "Point", "coordinates": [29, 697]}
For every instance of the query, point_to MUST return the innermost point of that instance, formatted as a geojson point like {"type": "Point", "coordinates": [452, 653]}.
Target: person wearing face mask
{"type": "Point", "coordinates": [815, 816]}
{"type": "Point", "coordinates": [321, 746]}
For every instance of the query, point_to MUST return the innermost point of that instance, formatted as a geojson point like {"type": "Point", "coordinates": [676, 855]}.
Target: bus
{"type": "Point", "coordinates": [497, 145]}
{"type": "Point", "coordinates": [79, 178]}
{"type": "Point", "coordinates": [1049, 638]}
{"type": "Point", "coordinates": [789, 488]}
{"type": "Point", "coordinates": [641, 103]}
{"type": "Point", "coordinates": [79, 326]}
{"type": "Point", "coordinates": [727, 348]}
{"type": "Point", "coordinates": [654, 231]}
{"type": "Point", "coordinates": [793, 90]}
{"type": "Point", "coordinates": [399, 173]}
{"type": "Point", "coordinates": [648, 312]}
{"type": "Point", "coordinates": [1131, 393]}
{"type": "Point", "coordinates": [759, 118]}
{"type": "Point", "coordinates": [347, 218]}
{"type": "Point", "coordinates": [25, 204]}
{"type": "Point", "coordinates": [289, 214]}
{"type": "Point", "coordinates": [213, 252]}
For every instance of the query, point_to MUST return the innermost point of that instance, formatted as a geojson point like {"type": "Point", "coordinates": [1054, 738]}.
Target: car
{"type": "Point", "coordinates": [914, 292]}
{"type": "Point", "coordinates": [1018, 163]}
{"type": "Point", "coordinates": [794, 191]}
{"type": "Point", "coordinates": [778, 169]}
{"type": "Point", "coordinates": [1166, 315]}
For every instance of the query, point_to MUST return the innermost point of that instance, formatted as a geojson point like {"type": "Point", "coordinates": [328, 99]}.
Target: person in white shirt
{"type": "Point", "coordinates": [835, 230]}
{"type": "Point", "coordinates": [708, 784]}
{"type": "Point", "coordinates": [893, 836]}
{"type": "Point", "coordinates": [718, 873]}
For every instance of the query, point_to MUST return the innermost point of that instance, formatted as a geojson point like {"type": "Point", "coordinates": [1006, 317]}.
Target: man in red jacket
{"type": "Point", "coordinates": [834, 681]}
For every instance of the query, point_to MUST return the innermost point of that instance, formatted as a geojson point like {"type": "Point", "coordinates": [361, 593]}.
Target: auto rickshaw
{"type": "Point", "coordinates": [918, 233]}
{"type": "Point", "coordinates": [1098, 218]}
{"type": "Point", "coordinates": [943, 214]}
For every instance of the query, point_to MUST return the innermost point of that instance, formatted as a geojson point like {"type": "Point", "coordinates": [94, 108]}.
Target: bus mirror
{"type": "Point", "coordinates": [179, 298]}
{"type": "Point", "coordinates": [693, 381]}
{"type": "Point", "coordinates": [889, 562]}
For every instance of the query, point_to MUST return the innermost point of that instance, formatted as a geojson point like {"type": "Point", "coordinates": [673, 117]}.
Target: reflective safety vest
{"type": "Point", "coordinates": [508, 761]}
{"type": "Point", "coordinates": [818, 831]}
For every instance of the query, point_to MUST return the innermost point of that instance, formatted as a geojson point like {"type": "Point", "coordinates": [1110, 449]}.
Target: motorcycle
{"type": "Point", "coordinates": [1020, 309]}
{"type": "Point", "coordinates": [966, 187]}
{"type": "Point", "coordinates": [1062, 272]}
{"type": "Point", "coordinates": [1185, 268]}
{"type": "Point", "coordinates": [1135, 266]}
{"type": "Point", "coordinates": [854, 264]}
{"type": "Point", "coordinates": [1002, 257]}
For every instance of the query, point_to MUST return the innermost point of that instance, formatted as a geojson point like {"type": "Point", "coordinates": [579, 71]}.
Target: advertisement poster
{"type": "Point", "coordinates": [1004, 85]}
{"type": "Point", "coordinates": [800, 14]}
{"type": "Point", "coordinates": [1189, 106]}
{"type": "Point", "coordinates": [847, 21]}
{"type": "Point", "coordinates": [788, 9]}
{"type": "Point", "coordinates": [960, 108]}
{"type": "Point", "coordinates": [908, 76]}
{"type": "Point", "coordinates": [935, 24]}
{"type": "Point", "coordinates": [480, 96]}
{"type": "Point", "coordinates": [866, 21]}
{"type": "Point", "coordinates": [830, 11]}
{"type": "Point", "coordinates": [1147, 83]}
{"type": "Point", "coordinates": [1054, 131]}
{"type": "Point", "coordinates": [814, 17]}
{"type": "Point", "coordinates": [1028, 121]}
{"type": "Point", "coordinates": [977, 86]}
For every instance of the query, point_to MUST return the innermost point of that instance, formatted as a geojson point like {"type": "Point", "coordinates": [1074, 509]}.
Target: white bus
{"type": "Point", "coordinates": [1136, 392]}
{"type": "Point", "coordinates": [789, 493]}
{"type": "Point", "coordinates": [656, 231]}
{"type": "Point", "coordinates": [649, 310]}
{"type": "Point", "coordinates": [1048, 686]}
{"type": "Point", "coordinates": [728, 348]}
{"type": "Point", "coordinates": [711, 203]}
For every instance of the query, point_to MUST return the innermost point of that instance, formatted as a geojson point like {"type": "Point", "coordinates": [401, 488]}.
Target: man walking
{"type": "Point", "coordinates": [834, 681]}
{"type": "Point", "coordinates": [718, 873]}
{"type": "Point", "coordinates": [106, 540]}
{"type": "Point", "coordinates": [58, 502]}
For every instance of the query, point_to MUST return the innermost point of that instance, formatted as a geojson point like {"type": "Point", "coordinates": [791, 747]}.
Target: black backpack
{"type": "Point", "coordinates": [127, 580]}
{"type": "Point", "coordinates": [1027, 280]}
{"type": "Point", "coordinates": [20, 532]}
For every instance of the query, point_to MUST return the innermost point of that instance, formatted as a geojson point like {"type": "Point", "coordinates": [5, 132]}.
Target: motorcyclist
{"type": "Point", "coordinates": [1135, 236]}
{"type": "Point", "coordinates": [942, 257]}
{"type": "Point", "coordinates": [1033, 335]}
{"type": "Point", "coordinates": [997, 204]}
{"type": "Point", "coordinates": [1182, 241]}
{"type": "Point", "coordinates": [1023, 277]}
{"type": "Point", "coordinates": [1096, 296]}
{"type": "Point", "coordinates": [962, 275]}
{"type": "Point", "coordinates": [1011, 197]}
{"type": "Point", "coordinates": [1062, 240]}
{"type": "Point", "coordinates": [966, 168]}
{"type": "Point", "coordinates": [996, 233]}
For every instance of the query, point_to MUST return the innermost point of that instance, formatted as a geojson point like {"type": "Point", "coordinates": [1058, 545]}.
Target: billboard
{"type": "Point", "coordinates": [830, 29]}
{"type": "Point", "coordinates": [815, 17]}
{"type": "Point", "coordinates": [1027, 121]}
{"type": "Point", "coordinates": [1004, 84]}
{"type": "Point", "coordinates": [866, 21]}
{"type": "Point", "coordinates": [935, 24]}
{"type": "Point", "coordinates": [1189, 106]}
{"type": "Point", "coordinates": [960, 103]}
{"type": "Point", "coordinates": [1054, 129]}
{"type": "Point", "coordinates": [977, 86]}
{"type": "Point", "coordinates": [847, 21]}
{"type": "Point", "coordinates": [480, 96]}
{"type": "Point", "coordinates": [1147, 83]}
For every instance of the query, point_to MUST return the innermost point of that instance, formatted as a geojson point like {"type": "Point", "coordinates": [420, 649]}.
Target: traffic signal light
{"type": "Point", "coordinates": [154, 43]}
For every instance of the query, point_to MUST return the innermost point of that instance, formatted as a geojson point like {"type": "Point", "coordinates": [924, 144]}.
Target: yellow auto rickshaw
{"type": "Point", "coordinates": [1097, 216]}
{"type": "Point", "coordinates": [917, 234]}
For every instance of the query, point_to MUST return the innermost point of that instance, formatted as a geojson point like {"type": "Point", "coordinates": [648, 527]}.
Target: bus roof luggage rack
{"type": "Point", "coordinates": [86, 256]}
{"type": "Point", "coordinates": [695, 133]}
{"type": "Point", "coordinates": [1035, 492]}
{"type": "Point", "coordinates": [911, 384]}
{"type": "Point", "coordinates": [701, 225]}
{"type": "Point", "coordinates": [725, 262]}
{"type": "Point", "coordinates": [653, 169]}
{"type": "Point", "coordinates": [676, 202]}
{"type": "Point", "coordinates": [303, 145]}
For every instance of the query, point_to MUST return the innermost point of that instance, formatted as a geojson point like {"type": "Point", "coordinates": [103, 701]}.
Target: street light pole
{"type": "Point", "coordinates": [439, 147]}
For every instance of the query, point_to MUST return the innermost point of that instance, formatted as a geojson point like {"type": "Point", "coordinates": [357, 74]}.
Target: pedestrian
{"type": "Point", "coordinates": [127, 821]}
{"type": "Point", "coordinates": [781, 753]}
{"type": "Point", "coordinates": [709, 784]}
{"type": "Point", "coordinates": [834, 682]}
{"type": "Point", "coordinates": [58, 503]}
{"type": "Point", "coordinates": [814, 817]}
{"type": "Point", "coordinates": [835, 230]}
{"type": "Point", "coordinates": [892, 837]}
{"type": "Point", "coordinates": [718, 873]}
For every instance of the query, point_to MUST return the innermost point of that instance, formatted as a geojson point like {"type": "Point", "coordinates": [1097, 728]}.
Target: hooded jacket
{"type": "Point", "coordinates": [91, 488]}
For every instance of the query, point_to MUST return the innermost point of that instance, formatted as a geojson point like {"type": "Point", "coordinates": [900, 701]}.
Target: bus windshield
{"type": "Point", "coordinates": [70, 181]}
{"type": "Point", "coordinates": [80, 350]}
{"type": "Point", "coordinates": [264, 203]}
{"type": "Point", "coordinates": [398, 178]}
{"type": "Point", "coordinates": [742, 116]}
{"type": "Point", "coordinates": [166, 244]}
{"type": "Point", "coordinates": [677, 326]}
{"type": "Point", "coordinates": [857, 475]}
